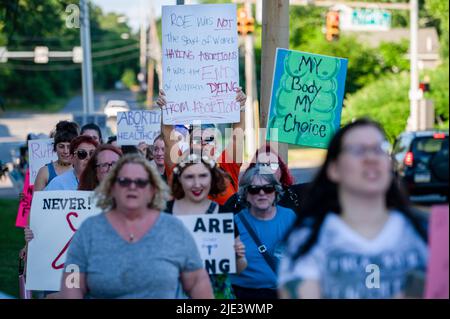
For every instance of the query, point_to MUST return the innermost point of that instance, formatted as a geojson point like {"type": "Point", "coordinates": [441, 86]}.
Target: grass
{"type": "Point", "coordinates": [11, 242]}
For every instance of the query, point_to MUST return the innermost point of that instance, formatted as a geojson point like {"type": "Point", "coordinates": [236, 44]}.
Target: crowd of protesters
{"type": "Point", "coordinates": [290, 240]}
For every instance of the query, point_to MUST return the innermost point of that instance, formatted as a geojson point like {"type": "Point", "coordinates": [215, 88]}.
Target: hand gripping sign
{"type": "Point", "coordinates": [55, 216]}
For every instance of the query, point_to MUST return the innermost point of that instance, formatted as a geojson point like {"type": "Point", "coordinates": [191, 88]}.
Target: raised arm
{"type": "Point", "coordinates": [235, 147]}
{"type": "Point", "coordinates": [170, 144]}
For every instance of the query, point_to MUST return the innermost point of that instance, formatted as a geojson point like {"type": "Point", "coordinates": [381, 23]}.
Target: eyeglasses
{"type": "Point", "coordinates": [273, 166]}
{"type": "Point", "coordinates": [105, 166]}
{"type": "Point", "coordinates": [206, 140]}
{"type": "Point", "coordinates": [82, 154]}
{"type": "Point", "coordinates": [267, 189]}
{"type": "Point", "coordinates": [380, 149]}
{"type": "Point", "coordinates": [126, 182]}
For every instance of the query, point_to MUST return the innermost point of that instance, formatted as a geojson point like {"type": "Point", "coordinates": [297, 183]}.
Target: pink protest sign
{"type": "Point", "coordinates": [437, 272]}
{"type": "Point", "coordinates": [25, 202]}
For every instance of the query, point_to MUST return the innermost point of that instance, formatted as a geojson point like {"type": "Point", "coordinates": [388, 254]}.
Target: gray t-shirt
{"type": "Point", "coordinates": [148, 268]}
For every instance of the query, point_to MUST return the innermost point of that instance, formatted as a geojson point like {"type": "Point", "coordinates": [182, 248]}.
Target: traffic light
{"type": "Point", "coordinates": [245, 24]}
{"type": "Point", "coordinates": [332, 32]}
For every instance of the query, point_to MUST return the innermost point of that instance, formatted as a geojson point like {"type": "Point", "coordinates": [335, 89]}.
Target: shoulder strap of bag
{"type": "Point", "coordinates": [211, 208]}
{"type": "Point", "coordinates": [261, 247]}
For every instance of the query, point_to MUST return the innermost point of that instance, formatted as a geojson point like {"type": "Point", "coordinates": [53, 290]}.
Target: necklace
{"type": "Point", "coordinates": [131, 237]}
{"type": "Point", "coordinates": [61, 163]}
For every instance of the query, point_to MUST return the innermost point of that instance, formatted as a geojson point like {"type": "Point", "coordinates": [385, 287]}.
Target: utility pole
{"type": "Point", "coordinates": [275, 34]}
{"type": "Point", "coordinates": [86, 70]}
{"type": "Point", "coordinates": [143, 54]}
{"type": "Point", "coordinates": [414, 93]}
{"type": "Point", "coordinates": [250, 88]}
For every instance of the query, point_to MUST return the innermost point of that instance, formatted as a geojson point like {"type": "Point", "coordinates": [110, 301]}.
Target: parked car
{"type": "Point", "coordinates": [114, 106]}
{"type": "Point", "coordinates": [421, 161]}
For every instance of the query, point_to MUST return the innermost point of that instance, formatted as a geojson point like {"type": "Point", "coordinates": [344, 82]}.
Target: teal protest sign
{"type": "Point", "coordinates": [307, 96]}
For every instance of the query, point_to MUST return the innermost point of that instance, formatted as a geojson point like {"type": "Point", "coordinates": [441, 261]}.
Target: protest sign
{"type": "Point", "coordinates": [214, 236]}
{"type": "Point", "coordinates": [307, 96]}
{"type": "Point", "coordinates": [55, 217]}
{"type": "Point", "coordinates": [25, 202]}
{"type": "Point", "coordinates": [200, 63]}
{"type": "Point", "coordinates": [134, 127]}
{"type": "Point", "coordinates": [437, 286]}
{"type": "Point", "coordinates": [40, 152]}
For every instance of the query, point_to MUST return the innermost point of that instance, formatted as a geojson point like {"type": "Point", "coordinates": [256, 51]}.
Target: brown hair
{"type": "Point", "coordinates": [88, 179]}
{"type": "Point", "coordinates": [218, 176]}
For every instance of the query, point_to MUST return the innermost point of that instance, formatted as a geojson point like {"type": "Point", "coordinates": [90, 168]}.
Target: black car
{"type": "Point", "coordinates": [421, 161]}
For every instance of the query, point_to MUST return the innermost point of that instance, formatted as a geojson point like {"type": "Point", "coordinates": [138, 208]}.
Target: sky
{"type": "Point", "coordinates": [133, 9]}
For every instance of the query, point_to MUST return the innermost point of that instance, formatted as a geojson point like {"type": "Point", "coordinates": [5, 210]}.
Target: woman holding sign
{"type": "Point", "coordinates": [360, 225]}
{"type": "Point", "coordinates": [204, 141]}
{"type": "Point", "coordinates": [194, 180]}
{"type": "Point", "coordinates": [133, 250]}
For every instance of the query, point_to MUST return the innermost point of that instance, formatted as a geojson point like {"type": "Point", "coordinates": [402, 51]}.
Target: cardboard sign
{"type": "Point", "coordinates": [134, 127]}
{"type": "Point", "coordinates": [307, 96]}
{"type": "Point", "coordinates": [214, 236]}
{"type": "Point", "coordinates": [200, 63]}
{"type": "Point", "coordinates": [55, 217]}
{"type": "Point", "coordinates": [25, 203]}
{"type": "Point", "coordinates": [40, 152]}
{"type": "Point", "coordinates": [437, 272]}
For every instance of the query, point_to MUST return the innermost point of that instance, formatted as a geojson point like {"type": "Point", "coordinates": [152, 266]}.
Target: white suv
{"type": "Point", "coordinates": [114, 106]}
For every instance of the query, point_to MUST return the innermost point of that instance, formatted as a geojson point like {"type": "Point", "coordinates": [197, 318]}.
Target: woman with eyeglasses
{"type": "Point", "coordinates": [361, 239]}
{"type": "Point", "coordinates": [65, 132]}
{"type": "Point", "coordinates": [99, 165]}
{"type": "Point", "coordinates": [262, 226]}
{"type": "Point", "coordinates": [133, 250]}
{"type": "Point", "coordinates": [194, 179]}
{"type": "Point", "coordinates": [292, 193]}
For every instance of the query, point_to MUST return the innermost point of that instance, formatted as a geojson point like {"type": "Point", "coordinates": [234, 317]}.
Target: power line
{"type": "Point", "coordinates": [66, 67]}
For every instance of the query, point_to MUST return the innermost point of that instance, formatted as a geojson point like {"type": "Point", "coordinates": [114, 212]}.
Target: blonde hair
{"type": "Point", "coordinates": [162, 192]}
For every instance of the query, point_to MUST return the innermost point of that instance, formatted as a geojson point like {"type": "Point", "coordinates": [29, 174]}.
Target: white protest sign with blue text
{"type": "Point", "coordinates": [54, 218]}
{"type": "Point", "coordinates": [214, 236]}
{"type": "Point", "coordinates": [200, 58]}
{"type": "Point", "coordinates": [134, 127]}
{"type": "Point", "coordinates": [40, 152]}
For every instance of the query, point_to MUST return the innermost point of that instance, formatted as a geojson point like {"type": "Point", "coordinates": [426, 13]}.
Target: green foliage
{"type": "Point", "coordinates": [24, 24]}
{"type": "Point", "coordinates": [439, 86]}
{"type": "Point", "coordinates": [438, 9]}
{"type": "Point", "coordinates": [384, 100]}
{"type": "Point", "coordinates": [129, 78]}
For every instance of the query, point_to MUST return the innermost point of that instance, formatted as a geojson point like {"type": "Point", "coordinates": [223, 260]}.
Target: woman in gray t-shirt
{"type": "Point", "coordinates": [132, 250]}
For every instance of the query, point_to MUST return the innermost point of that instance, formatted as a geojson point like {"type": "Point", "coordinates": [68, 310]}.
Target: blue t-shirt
{"type": "Point", "coordinates": [66, 181]}
{"type": "Point", "coordinates": [258, 273]}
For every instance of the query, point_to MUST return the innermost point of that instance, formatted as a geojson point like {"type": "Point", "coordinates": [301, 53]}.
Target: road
{"type": "Point", "coordinates": [14, 126]}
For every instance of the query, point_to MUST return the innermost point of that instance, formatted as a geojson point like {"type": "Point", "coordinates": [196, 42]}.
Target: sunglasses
{"type": "Point", "coordinates": [126, 182]}
{"type": "Point", "coordinates": [267, 189]}
{"type": "Point", "coordinates": [82, 154]}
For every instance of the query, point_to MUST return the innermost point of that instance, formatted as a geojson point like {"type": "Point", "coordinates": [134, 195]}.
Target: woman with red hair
{"type": "Point", "coordinates": [269, 159]}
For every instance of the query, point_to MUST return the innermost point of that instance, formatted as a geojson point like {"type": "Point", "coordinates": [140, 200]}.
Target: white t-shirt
{"type": "Point", "coordinates": [348, 265]}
